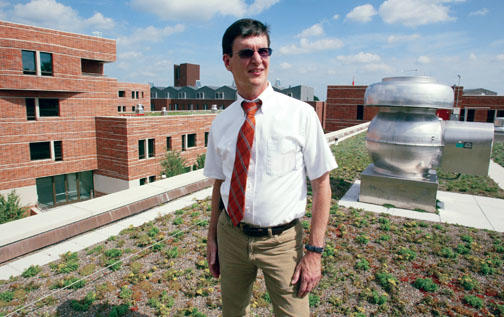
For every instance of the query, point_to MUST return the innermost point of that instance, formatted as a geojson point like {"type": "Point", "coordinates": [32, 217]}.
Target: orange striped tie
{"type": "Point", "coordinates": [236, 204]}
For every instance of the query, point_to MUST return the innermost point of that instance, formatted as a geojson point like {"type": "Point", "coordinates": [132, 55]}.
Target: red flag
{"type": "Point", "coordinates": [353, 80]}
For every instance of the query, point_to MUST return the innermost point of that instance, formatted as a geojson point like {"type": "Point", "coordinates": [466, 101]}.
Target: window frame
{"type": "Point", "coordinates": [29, 71]}
{"type": "Point", "coordinates": [46, 72]}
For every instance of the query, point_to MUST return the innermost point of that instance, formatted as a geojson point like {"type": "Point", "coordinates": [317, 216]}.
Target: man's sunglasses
{"type": "Point", "coordinates": [264, 52]}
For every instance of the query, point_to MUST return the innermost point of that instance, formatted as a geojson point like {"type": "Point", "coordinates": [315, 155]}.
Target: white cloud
{"type": "Point", "coordinates": [361, 57]}
{"type": "Point", "coordinates": [197, 9]}
{"type": "Point", "coordinates": [423, 60]}
{"type": "Point", "coordinates": [285, 65]}
{"type": "Point", "coordinates": [149, 34]}
{"type": "Point", "coordinates": [52, 14]}
{"type": "Point", "coordinates": [314, 30]}
{"type": "Point", "coordinates": [378, 67]}
{"type": "Point", "coordinates": [415, 12]}
{"type": "Point", "coordinates": [363, 13]}
{"type": "Point", "coordinates": [402, 38]}
{"type": "Point", "coordinates": [306, 46]}
{"type": "Point", "coordinates": [336, 17]}
{"type": "Point", "coordinates": [129, 55]}
{"type": "Point", "coordinates": [482, 12]}
{"type": "Point", "coordinates": [500, 57]}
{"type": "Point", "coordinates": [473, 57]}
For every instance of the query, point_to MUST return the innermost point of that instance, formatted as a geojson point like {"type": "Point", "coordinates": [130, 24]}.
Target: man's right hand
{"type": "Point", "coordinates": [212, 258]}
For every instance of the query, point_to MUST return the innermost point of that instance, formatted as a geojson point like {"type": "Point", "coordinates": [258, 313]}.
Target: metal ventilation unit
{"type": "Point", "coordinates": [407, 141]}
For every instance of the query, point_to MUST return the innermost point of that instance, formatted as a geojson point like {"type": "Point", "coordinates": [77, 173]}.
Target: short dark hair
{"type": "Point", "coordinates": [243, 28]}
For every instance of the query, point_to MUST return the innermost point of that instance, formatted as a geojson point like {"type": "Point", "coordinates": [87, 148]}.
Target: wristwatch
{"type": "Point", "coordinates": [313, 248]}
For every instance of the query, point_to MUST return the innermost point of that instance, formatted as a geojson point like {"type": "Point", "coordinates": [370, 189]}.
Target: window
{"type": "Point", "coordinates": [136, 94]}
{"type": "Point", "coordinates": [30, 109]}
{"type": "Point", "coordinates": [122, 93]}
{"type": "Point", "coordinates": [119, 108]}
{"type": "Point", "coordinates": [191, 140]}
{"type": "Point", "coordinates": [470, 115]}
{"type": "Point", "coordinates": [141, 149]}
{"type": "Point", "coordinates": [40, 151]}
{"type": "Point", "coordinates": [360, 112]}
{"type": "Point", "coordinates": [133, 108]}
{"type": "Point", "coordinates": [124, 109]}
{"type": "Point", "coordinates": [491, 115]}
{"type": "Point", "coordinates": [29, 63]}
{"type": "Point", "coordinates": [58, 151]}
{"type": "Point", "coordinates": [500, 113]}
{"type": "Point", "coordinates": [219, 95]}
{"type": "Point", "coordinates": [143, 181]}
{"type": "Point", "coordinates": [168, 143]}
{"type": "Point", "coordinates": [182, 95]}
{"type": "Point", "coordinates": [142, 94]}
{"type": "Point", "coordinates": [64, 188]}
{"type": "Point", "coordinates": [46, 65]}
{"type": "Point", "coordinates": [184, 142]}
{"type": "Point", "coordinates": [151, 147]}
{"type": "Point", "coordinates": [91, 67]}
{"type": "Point", "coordinates": [152, 179]}
{"type": "Point", "coordinates": [206, 138]}
{"type": "Point", "coordinates": [200, 95]}
{"type": "Point", "coordinates": [132, 95]}
{"type": "Point", "coordinates": [48, 107]}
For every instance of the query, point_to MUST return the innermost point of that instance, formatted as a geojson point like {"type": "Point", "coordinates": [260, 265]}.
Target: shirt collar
{"type": "Point", "coordinates": [265, 96]}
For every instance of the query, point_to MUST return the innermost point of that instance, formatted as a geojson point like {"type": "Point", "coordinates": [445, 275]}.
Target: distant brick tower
{"type": "Point", "coordinates": [186, 74]}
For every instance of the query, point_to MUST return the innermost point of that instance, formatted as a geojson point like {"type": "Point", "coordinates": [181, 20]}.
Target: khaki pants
{"type": "Point", "coordinates": [240, 256]}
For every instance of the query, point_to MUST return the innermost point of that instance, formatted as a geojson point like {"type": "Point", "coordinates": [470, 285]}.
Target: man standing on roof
{"type": "Point", "coordinates": [260, 151]}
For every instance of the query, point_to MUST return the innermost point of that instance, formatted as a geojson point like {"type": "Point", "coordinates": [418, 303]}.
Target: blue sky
{"type": "Point", "coordinates": [315, 42]}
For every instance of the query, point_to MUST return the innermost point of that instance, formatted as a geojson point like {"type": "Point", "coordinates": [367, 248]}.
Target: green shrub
{"type": "Point", "coordinates": [314, 300]}
{"type": "Point", "coordinates": [113, 253]}
{"type": "Point", "coordinates": [83, 305]}
{"type": "Point", "coordinates": [10, 208]}
{"type": "Point", "coordinates": [362, 264]}
{"type": "Point", "coordinates": [31, 271]}
{"type": "Point", "coordinates": [119, 310]}
{"type": "Point", "coordinates": [173, 164]}
{"type": "Point", "coordinates": [6, 296]}
{"type": "Point", "coordinates": [473, 301]}
{"type": "Point", "coordinates": [386, 280]}
{"type": "Point", "coordinates": [200, 161]}
{"type": "Point", "coordinates": [362, 239]}
{"type": "Point", "coordinates": [425, 284]}
{"type": "Point", "coordinates": [375, 298]}
{"type": "Point", "coordinates": [448, 253]}
{"type": "Point", "coordinates": [406, 254]}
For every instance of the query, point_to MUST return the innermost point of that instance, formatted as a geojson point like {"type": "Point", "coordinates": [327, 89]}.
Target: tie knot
{"type": "Point", "coordinates": [251, 107]}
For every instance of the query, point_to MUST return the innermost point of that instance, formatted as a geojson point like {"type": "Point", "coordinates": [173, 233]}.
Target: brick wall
{"type": "Point", "coordinates": [117, 140]}
{"type": "Point", "coordinates": [130, 101]}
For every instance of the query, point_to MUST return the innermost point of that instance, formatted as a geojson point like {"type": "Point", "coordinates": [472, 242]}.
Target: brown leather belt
{"type": "Point", "coordinates": [253, 231]}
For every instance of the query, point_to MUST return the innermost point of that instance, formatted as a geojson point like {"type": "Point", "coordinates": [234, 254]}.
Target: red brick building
{"type": "Point", "coordinates": [186, 74]}
{"type": "Point", "coordinates": [345, 108]}
{"type": "Point", "coordinates": [63, 131]}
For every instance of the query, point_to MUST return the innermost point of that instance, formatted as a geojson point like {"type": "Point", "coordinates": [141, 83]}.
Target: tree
{"type": "Point", "coordinates": [200, 161]}
{"type": "Point", "coordinates": [10, 208]}
{"type": "Point", "coordinates": [173, 164]}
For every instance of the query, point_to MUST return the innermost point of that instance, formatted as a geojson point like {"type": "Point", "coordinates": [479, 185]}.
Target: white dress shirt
{"type": "Point", "coordinates": [289, 145]}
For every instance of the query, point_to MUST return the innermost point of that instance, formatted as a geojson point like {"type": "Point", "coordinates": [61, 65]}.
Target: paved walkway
{"type": "Point", "coordinates": [468, 210]}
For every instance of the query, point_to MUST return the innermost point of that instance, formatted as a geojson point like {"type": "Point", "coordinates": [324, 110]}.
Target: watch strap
{"type": "Point", "coordinates": [313, 248]}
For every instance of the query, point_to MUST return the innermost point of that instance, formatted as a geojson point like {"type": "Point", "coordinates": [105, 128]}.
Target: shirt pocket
{"type": "Point", "coordinates": [284, 156]}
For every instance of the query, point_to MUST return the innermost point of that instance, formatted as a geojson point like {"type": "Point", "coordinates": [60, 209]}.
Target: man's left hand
{"type": "Point", "coordinates": [308, 272]}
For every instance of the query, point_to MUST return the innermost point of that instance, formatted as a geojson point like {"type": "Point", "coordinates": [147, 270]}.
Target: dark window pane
{"type": "Point", "coordinates": [470, 115]}
{"type": "Point", "coordinates": [132, 95]}
{"type": "Point", "coordinates": [191, 140]}
{"type": "Point", "coordinates": [206, 138]}
{"type": "Point", "coordinates": [168, 143]}
{"type": "Point", "coordinates": [152, 179]}
{"type": "Point", "coordinates": [360, 112]}
{"type": "Point", "coordinates": [141, 149]}
{"type": "Point", "coordinates": [29, 66]}
{"type": "Point", "coordinates": [491, 115]}
{"type": "Point", "coordinates": [58, 151]}
{"type": "Point", "coordinates": [48, 107]}
{"type": "Point", "coordinates": [72, 187]}
{"type": "Point", "coordinates": [45, 191]}
{"type": "Point", "coordinates": [118, 108]}
{"type": "Point", "coordinates": [46, 65]}
{"type": "Point", "coordinates": [40, 150]}
{"type": "Point", "coordinates": [183, 142]}
{"type": "Point", "coordinates": [500, 113]}
{"type": "Point", "coordinates": [60, 188]}
{"type": "Point", "coordinates": [122, 93]}
{"type": "Point", "coordinates": [30, 109]}
{"type": "Point", "coordinates": [143, 181]}
{"type": "Point", "coordinates": [85, 184]}
{"type": "Point", "coordinates": [151, 148]}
